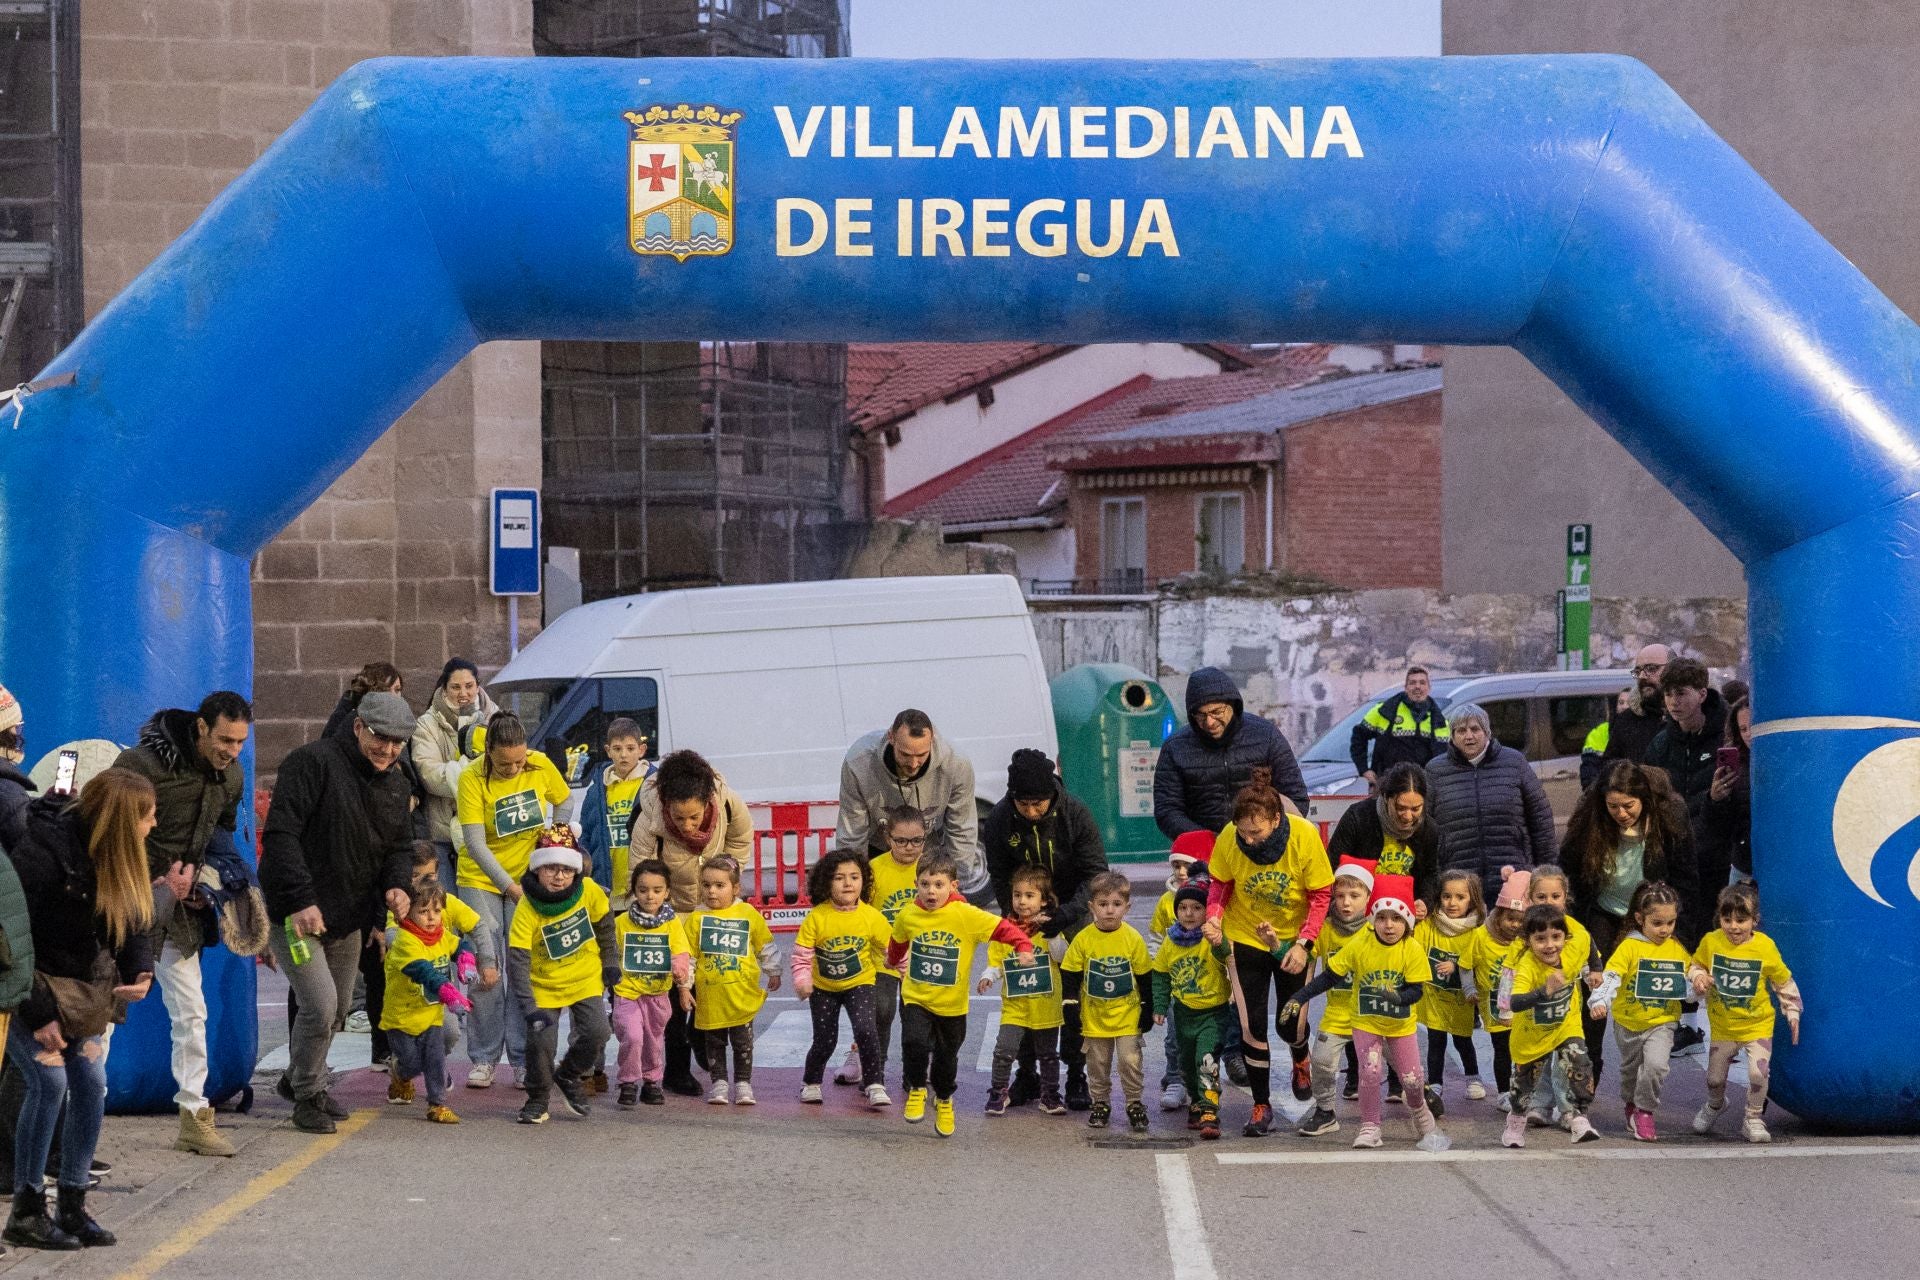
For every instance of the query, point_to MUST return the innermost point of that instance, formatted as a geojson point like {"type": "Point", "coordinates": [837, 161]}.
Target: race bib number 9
{"type": "Point", "coordinates": [840, 964]}
{"type": "Point", "coordinates": [1030, 978]}
{"type": "Point", "coordinates": [1737, 981]}
{"type": "Point", "coordinates": [724, 937]}
{"type": "Point", "coordinates": [1374, 1002]}
{"type": "Point", "coordinates": [1109, 978]}
{"type": "Point", "coordinates": [566, 935]}
{"type": "Point", "coordinates": [932, 965]}
{"type": "Point", "coordinates": [646, 955]}
{"type": "Point", "coordinates": [1436, 957]}
{"type": "Point", "coordinates": [518, 812]}
{"type": "Point", "coordinates": [1657, 980]}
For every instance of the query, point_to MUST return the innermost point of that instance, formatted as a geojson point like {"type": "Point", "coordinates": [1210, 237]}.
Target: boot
{"type": "Point", "coordinates": [198, 1135]}
{"type": "Point", "coordinates": [30, 1226]}
{"type": "Point", "coordinates": [72, 1218]}
{"type": "Point", "coordinates": [1078, 1099]}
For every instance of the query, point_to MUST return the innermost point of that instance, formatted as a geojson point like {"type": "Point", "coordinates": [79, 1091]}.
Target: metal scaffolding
{"type": "Point", "coordinates": [692, 28]}
{"type": "Point", "coordinates": [40, 299]}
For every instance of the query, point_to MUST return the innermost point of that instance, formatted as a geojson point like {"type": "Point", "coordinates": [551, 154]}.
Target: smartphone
{"type": "Point", "coordinates": [1727, 758]}
{"type": "Point", "coordinates": [66, 772]}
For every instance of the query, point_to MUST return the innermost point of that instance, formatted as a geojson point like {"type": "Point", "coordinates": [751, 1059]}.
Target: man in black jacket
{"type": "Point", "coordinates": [1203, 766]}
{"type": "Point", "coordinates": [1408, 728]}
{"type": "Point", "coordinates": [1696, 726]}
{"type": "Point", "coordinates": [336, 854]}
{"type": "Point", "coordinates": [1630, 730]}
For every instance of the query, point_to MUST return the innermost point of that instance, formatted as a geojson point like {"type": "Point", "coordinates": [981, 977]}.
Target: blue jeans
{"type": "Point", "coordinates": [424, 1054]}
{"type": "Point", "coordinates": [492, 1026]}
{"type": "Point", "coordinates": [76, 1076]}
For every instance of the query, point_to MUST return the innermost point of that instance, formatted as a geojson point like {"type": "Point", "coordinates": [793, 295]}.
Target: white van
{"type": "Point", "coordinates": [773, 683]}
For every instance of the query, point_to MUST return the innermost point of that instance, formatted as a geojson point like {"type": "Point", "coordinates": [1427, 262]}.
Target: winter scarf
{"type": "Point", "coordinates": [553, 904]}
{"type": "Point", "coordinates": [1392, 828]}
{"type": "Point", "coordinates": [694, 840]}
{"type": "Point", "coordinates": [431, 938]}
{"type": "Point", "coordinates": [1451, 927]}
{"type": "Point", "coordinates": [1182, 936]}
{"type": "Point", "coordinates": [1268, 851]}
{"type": "Point", "coordinates": [653, 921]}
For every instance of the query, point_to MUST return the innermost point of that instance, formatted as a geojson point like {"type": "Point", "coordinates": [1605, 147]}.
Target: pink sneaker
{"type": "Point", "coordinates": [1641, 1124]}
{"type": "Point", "coordinates": [1515, 1134]}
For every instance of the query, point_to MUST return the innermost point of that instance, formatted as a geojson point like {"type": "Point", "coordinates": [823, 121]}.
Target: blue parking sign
{"type": "Point", "coordinates": [515, 560]}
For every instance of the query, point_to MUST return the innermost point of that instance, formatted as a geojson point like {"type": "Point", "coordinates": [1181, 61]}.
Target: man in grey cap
{"type": "Point", "coordinates": [336, 855]}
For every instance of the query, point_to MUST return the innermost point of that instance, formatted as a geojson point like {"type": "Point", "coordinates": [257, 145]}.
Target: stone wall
{"type": "Point", "coordinates": [179, 96]}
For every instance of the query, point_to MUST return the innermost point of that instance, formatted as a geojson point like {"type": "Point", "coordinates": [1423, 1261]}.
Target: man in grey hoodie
{"type": "Point", "coordinates": [909, 764]}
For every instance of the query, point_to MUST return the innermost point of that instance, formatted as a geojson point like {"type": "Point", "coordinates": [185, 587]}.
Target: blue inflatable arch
{"type": "Point", "coordinates": [1574, 208]}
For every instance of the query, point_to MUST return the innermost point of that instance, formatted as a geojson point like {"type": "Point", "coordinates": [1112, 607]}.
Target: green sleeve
{"type": "Point", "coordinates": [1162, 992]}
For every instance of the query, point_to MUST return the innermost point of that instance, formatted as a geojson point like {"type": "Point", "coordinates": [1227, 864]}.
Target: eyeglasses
{"type": "Point", "coordinates": [909, 842]}
{"type": "Point", "coordinates": [1214, 717]}
{"type": "Point", "coordinates": [1650, 668]}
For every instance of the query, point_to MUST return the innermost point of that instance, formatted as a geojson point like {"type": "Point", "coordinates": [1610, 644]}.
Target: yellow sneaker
{"type": "Point", "coordinates": [916, 1109]}
{"type": "Point", "coordinates": [442, 1115]}
{"type": "Point", "coordinates": [399, 1092]}
{"type": "Point", "coordinates": [943, 1117]}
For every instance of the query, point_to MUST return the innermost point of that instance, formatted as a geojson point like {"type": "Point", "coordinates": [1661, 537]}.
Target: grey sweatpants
{"type": "Point", "coordinates": [1645, 1057]}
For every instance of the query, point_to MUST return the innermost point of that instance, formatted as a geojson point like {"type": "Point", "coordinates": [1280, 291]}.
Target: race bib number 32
{"type": "Point", "coordinates": [566, 935]}
{"type": "Point", "coordinates": [1658, 980]}
{"type": "Point", "coordinates": [1109, 978]}
{"type": "Point", "coordinates": [932, 965]}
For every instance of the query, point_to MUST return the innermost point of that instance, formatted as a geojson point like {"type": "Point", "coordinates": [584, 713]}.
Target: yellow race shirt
{"type": "Point", "coordinates": [513, 810]}
{"type": "Point", "coordinates": [1740, 1005]}
{"type": "Point", "coordinates": [1029, 991]}
{"type": "Point", "coordinates": [414, 1007]}
{"type": "Point", "coordinates": [893, 884]}
{"type": "Point", "coordinates": [566, 955]}
{"type": "Point", "coordinates": [1336, 1015]}
{"type": "Point", "coordinates": [623, 797]}
{"type": "Point", "coordinates": [647, 955]}
{"type": "Point", "coordinates": [1196, 977]}
{"type": "Point", "coordinates": [1487, 956]}
{"type": "Point", "coordinates": [1162, 916]}
{"type": "Point", "coordinates": [848, 946]}
{"type": "Point", "coordinates": [1444, 1005]}
{"type": "Point", "coordinates": [1113, 963]}
{"type": "Point", "coordinates": [1653, 982]}
{"type": "Point", "coordinates": [940, 947]}
{"type": "Point", "coordinates": [726, 946]}
{"type": "Point", "coordinates": [1376, 969]}
{"type": "Point", "coordinates": [1275, 894]}
{"type": "Point", "coordinates": [1540, 1030]}
{"type": "Point", "coordinates": [1395, 859]}
{"type": "Point", "coordinates": [1576, 956]}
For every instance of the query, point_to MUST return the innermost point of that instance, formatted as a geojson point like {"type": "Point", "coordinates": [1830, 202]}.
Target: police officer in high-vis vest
{"type": "Point", "coordinates": [1410, 727]}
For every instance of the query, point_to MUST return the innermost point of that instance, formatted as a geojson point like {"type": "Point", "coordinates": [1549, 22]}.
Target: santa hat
{"type": "Point", "coordinates": [553, 855]}
{"type": "Point", "coordinates": [1355, 871]}
{"type": "Point", "coordinates": [1193, 846]}
{"type": "Point", "coordinates": [1394, 906]}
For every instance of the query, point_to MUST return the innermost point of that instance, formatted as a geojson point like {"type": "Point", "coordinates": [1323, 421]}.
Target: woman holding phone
{"type": "Point", "coordinates": [1726, 830]}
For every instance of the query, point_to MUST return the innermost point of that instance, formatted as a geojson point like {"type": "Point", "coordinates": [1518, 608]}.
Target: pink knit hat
{"type": "Point", "coordinates": [1513, 888]}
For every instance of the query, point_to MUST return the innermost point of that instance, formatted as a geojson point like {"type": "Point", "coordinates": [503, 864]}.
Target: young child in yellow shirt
{"type": "Point", "coordinates": [608, 808]}
{"type": "Point", "coordinates": [1186, 862]}
{"type": "Point", "coordinates": [1446, 1011]}
{"type": "Point", "coordinates": [656, 968]}
{"type": "Point", "coordinates": [1030, 1001]}
{"type": "Point", "coordinates": [1347, 916]}
{"type": "Point", "coordinates": [1733, 967]}
{"type": "Point", "coordinates": [1484, 958]}
{"type": "Point", "coordinates": [894, 883]}
{"type": "Point", "coordinates": [1643, 985]}
{"type": "Point", "coordinates": [1191, 996]}
{"type": "Point", "coordinates": [836, 958]}
{"type": "Point", "coordinates": [561, 959]}
{"type": "Point", "coordinates": [732, 947]}
{"type": "Point", "coordinates": [1550, 886]}
{"type": "Point", "coordinates": [425, 966]}
{"type": "Point", "coordinates": [1538, 994]}
{"type": "Point", "coordinates": [1104, 969]}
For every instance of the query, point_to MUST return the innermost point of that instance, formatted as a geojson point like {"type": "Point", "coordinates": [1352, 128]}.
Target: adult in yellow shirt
{"type": "Point", "coordinates": [561, 959]}
{"type": "Point", "coordinates": [506, 798]}
{"type": "Point", "coordinates": [1268, 866]}
{"type": "Point", "coordinates": [1543, 1002]}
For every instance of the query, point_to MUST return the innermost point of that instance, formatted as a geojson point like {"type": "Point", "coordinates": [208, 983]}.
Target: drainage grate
{"type": "Point", "coordinates": [1129, 1143]}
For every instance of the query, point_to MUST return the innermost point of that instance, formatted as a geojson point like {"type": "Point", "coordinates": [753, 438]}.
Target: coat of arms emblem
{"type": "Point", "coordinates": [680, 180]}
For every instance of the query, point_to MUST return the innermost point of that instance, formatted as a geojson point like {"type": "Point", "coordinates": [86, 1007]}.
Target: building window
{"type": "Point", "coordinates": [1123, 544]}
{"type": "Point", "coordinates": [1220, 534]}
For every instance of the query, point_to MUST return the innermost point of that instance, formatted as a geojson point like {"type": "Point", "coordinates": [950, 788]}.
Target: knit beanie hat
{"type": "Point", "coordinates": [1190, 892]}
{"type": "Point", "coordinates": [10, 713]}
{"type": "Point", "coordinates": [1513, 888]}
{"type": "Point", "coordinates": [1030, 775]}
{"type": "Point", "coordinates": [1193, 846]}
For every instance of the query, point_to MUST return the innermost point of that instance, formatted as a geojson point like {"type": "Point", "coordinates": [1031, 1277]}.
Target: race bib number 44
{"type": "Point", "coordinates": [566, 935]}
{"type": "Point", "coordinates": [518, 812]}
{"type": "Point", "coordinates": [932, 965]}
{"type": "Point", "coordinates": [1109, 978]}
{"type": "Point", "coordinates": [646, 955]}
{"type": "Point", "coordinates": [1032, 978]}
{"type": "Point", "coordinates": [1657, 980]}
{"type": "Point", "coordinates": [1737, 981]}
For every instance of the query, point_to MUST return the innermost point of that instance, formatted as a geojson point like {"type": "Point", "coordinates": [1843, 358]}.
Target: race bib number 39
{"type": "Point", "coordinates": [1737, 981]}
{"type": "Point", "coordinates": [518, 812]}
{"type": "Point", "coordinates": [840, 964]}
{"type": "Point", "coordinates": [566, 935]}
{"type": "Point", "coordinates": [646, 955]}
{"type": "Point", "coordinates": [1109, 978]}
{"type": "Point", "coordinates": [932, 965]}
{"type": "Point", "coordinates": [1034, 978]}
{"type": "Point", "coordinates": [1657, 980]}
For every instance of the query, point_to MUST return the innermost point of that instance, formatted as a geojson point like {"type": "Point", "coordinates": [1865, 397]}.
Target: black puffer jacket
{"type": "Point", "coordinates": [338, 836]}
{"type": "Point", "coordinates": [1688, 757]}
{"type": "Point", "coordinates": [1066, 842]}
{"type": "Point", "coordinates": [1197, 777]}
{"type": "Point", "coordinates": [57, 880]}
{"type": "Point", "coordinates": [1491, 815]}
{"type": "Point", "coordinates": [1362, 836]}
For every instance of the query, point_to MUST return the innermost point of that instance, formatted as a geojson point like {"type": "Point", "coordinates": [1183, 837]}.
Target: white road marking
{"type": "Point", "coordinates": [785, 1042]}
{"type": "Point", "coordinates": [1637, 1152]}
{"type": "Point", "coordinates": [1187, 1243]}
{"type": "Point", "coordinates": [989, 1033]}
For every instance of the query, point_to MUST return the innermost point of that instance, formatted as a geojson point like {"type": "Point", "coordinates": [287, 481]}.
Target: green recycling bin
{"type": "Point", "coordinates": [1111, 720]}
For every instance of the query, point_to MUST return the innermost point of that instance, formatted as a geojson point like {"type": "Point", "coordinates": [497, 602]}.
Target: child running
{"type": "Point", "coordinates": [606, 812]}
{"type": "Point", "coordinates": [560, 959]}
{"type": "Point", "coordinates": [1388, 969]}
{"type": "Point", "coordinates": [835, 960]}
{"type": "Point", "coordinates": [1446, 1011]}
{"type": "Point", "coordinates": [895, 878]}
{"type": "Point", "coordinates": [656, 967]}
{"type": "Point", "coordinates": [1733, 967]}
{"type": "Point", "coordinates": [1191, 995]}
{"type": "Point", "coordinates": [1538, 994]}
{"type": "Point", "coordinates": [1550, 887]}
{"type": "Point", "coordinates": [1030, 1001]}
{"type": "Point", "coordinates": [1104, 969]}
{"type": "Point", "coordinates": [934, 938]}
{"type": "Point", "coordinates": [731, 947]}
{"type": "Point", "coordinates": [1644, 983]}
{"type": "Point", "coordinates": [424, 969]}
{"type": "Point", "coordinates": [1186, 862]}
{"type": "Point", "coordinates": [1347, 915]}
{"type": "Point", "coordinates": [1485, 957]}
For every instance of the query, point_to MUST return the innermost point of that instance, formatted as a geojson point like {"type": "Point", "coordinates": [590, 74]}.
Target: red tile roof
{"type": "Point", "coordinates": [888, 381]}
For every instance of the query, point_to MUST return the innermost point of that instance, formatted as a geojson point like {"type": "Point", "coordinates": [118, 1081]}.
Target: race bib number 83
{"type": "Point", "coordinates": [566, 935]}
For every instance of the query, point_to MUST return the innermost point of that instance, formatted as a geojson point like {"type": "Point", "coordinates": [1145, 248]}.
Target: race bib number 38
{"type": "Point", "coordinates": [1658, 980]}
{"type": "Point", "coordinates": [646, 955]}
{"type": "Point", "coordinates": [518, 812]}
{"type": "Point", "coordinates": [839, 964]}
{"type": "Point", "coordinates": [1109, 978]}
{"type": "Point", "coordinates": [566, 935]}
{"type": "Point", "coordinates": [932, 965]}
{"type": "Point", "coordinates": [1737, 981]}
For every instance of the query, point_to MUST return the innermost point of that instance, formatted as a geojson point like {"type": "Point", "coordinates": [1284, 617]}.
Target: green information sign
{"type": "Point", "coordinates": [1576, 599]}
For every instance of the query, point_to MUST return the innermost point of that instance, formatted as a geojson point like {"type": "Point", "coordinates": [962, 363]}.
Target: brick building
{"type": "Point", "coordinates": [1337, 480]}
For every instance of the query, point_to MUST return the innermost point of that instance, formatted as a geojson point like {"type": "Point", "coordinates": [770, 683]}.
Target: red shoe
{"type": "Point", "coordinates": [1302, 1080]}
{"type": "Point", "coordinates": [1260, 1123]}
{"type": "Point", "coordinates": [1210, 1126]}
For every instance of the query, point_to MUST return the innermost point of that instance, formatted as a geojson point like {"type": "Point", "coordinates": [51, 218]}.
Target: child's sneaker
{"type": "Point", "coordinates": [1476, 1092]}
{"type": "Point", "coordinates": [1703, 1118]}
{"type": "Point", "coordinates": [996, 1102]}
{"type": "Point", "coordinates": [1515, 1134]}
{"type": "Point", "coordinates": [399, 1093]}
{"type": "Point", "coordinates": [1369, 1136]}
{"type": "Point", "coordinates": [1351, 1089]}
{"type": "Point", "coordinates": [720, 1095]}
{"type": "Point", "coordinates": [441, 1113]}
{"type": "Point", "coordinates": [574, 1095]}
{"type": "Point", "coordinates": [629, 1095]}
{"type": "Point", "coordinates": [1100, 1115]}
{"type": "Point", "coordinates": [1537, 1118]}
{"type": "Point", "coordinates": [1137, 1116]}
{"type": "Point", "coordinates": [1396, 1092]}
{"type": "Point", "coordinates": [1582, 1130]}
{"type": "Point", "coordinates": [1431, 1139]}
{"type": "Point", "coordinates": [916, 1109]}
{"type": "Point", "coordinates": [1318, 1121]}
{"type": "Point", "coordinates": [651, 1094]}
{"type": "Point", "coordinates": [1260, 1123]}
{"type": "Point", "coordinates": [1505, 1103]}
{"type": "Point", "coordinates": [1174, 1096]}
{"type": "Point", "coordinates": [849, 1072]}
{"type": "Point", "coordinates": [532, 1112]}
{"type": "Point", "coordinates": [943, 1117]}
{"type": "Point", "coordinates": [877, 1097]}
{"type": "Point", "coordinates": [743, 1094]}
{"type": "Point", "coordinates": [1050, 1101]}
{"type": "Point", "coordinates": [810, 1093]}
{"type": "Point", "coordinates": [599, 1082]}
{"type": "Point", "coordinates": [1209, 1125]}
{"type": "Point", "coordinates": [1640, 1124]}
{"type": "Point", "coordinates": [1754, 1129]}
{"type": "Point", "coordinates": [1302, 1080]}
{"type": "Point", "coordinates": [1434, 1104]}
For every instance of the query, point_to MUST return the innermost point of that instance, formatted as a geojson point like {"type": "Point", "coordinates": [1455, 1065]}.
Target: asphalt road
{"type": "Point", "coordinates": [692, 1189]}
